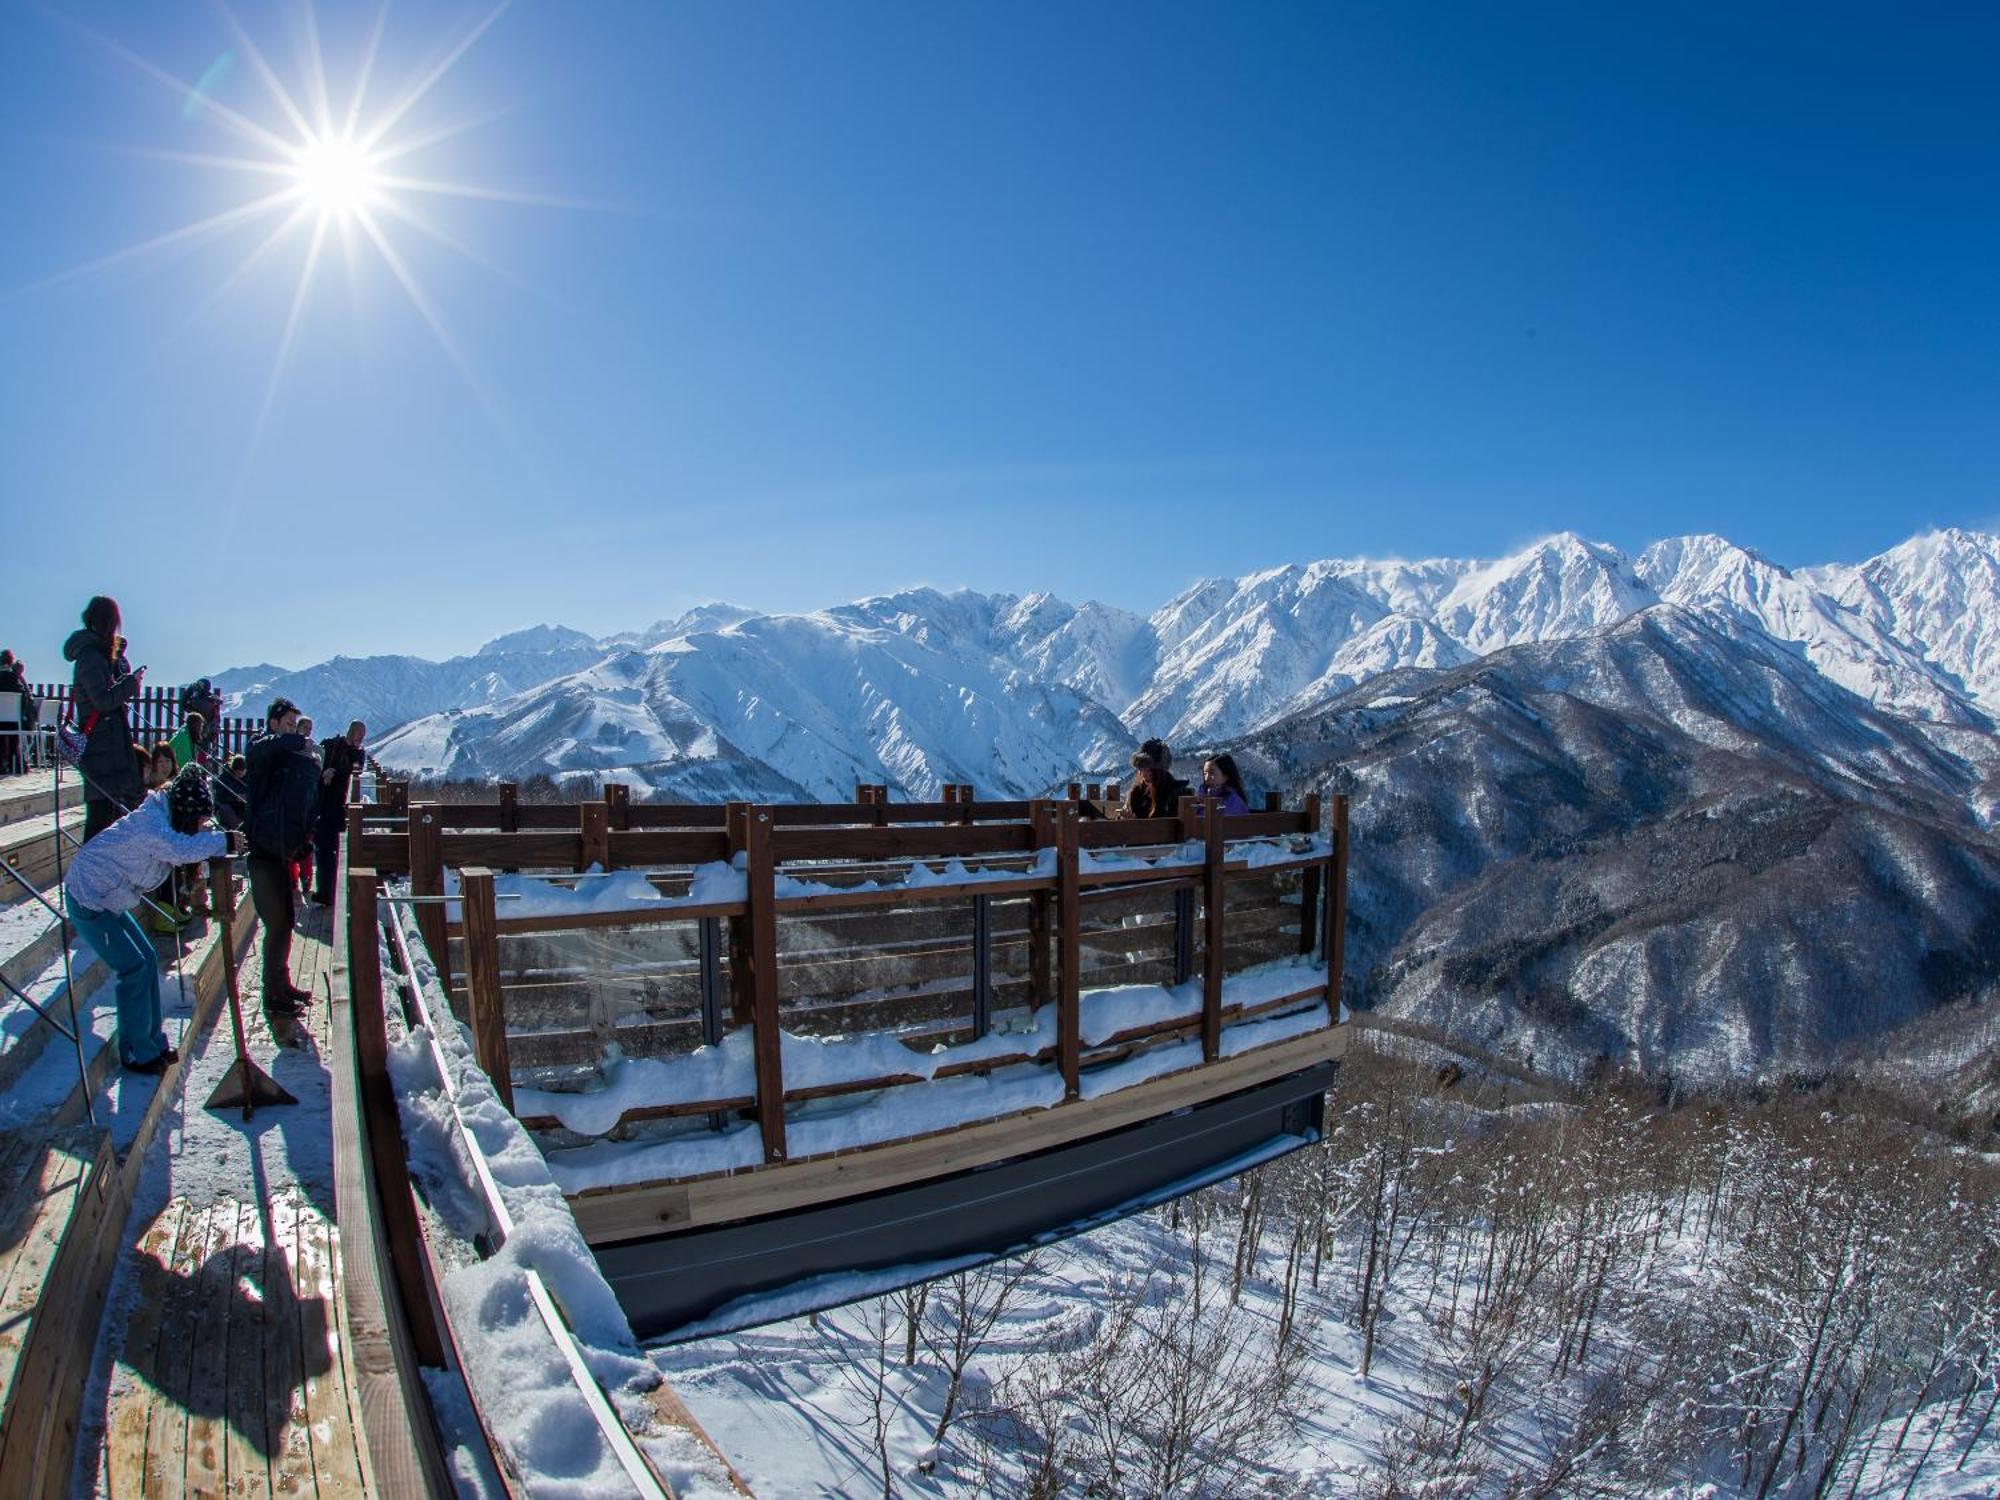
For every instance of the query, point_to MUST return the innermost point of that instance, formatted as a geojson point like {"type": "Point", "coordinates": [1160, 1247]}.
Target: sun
{"type": "Point", "coordinates": [332, 174]}
{"type": "Point", "coordinates": [337, 176]}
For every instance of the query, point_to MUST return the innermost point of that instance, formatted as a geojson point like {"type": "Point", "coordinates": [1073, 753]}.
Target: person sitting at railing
{"type": "Point", "coordinates": [1156, 791]}
{"type": "Point", "coordinates": [1221, 779]}
{"type": "Point", "coordinates": [103, 684]}
{"type": "Point", "coordinates": [112, 874]}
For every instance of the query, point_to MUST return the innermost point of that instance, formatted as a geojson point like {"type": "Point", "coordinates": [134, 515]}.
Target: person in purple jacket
{"type": "Point", "coordinates": [110, 876]}
{"type": "Point", "coordinates": [1220, 778]}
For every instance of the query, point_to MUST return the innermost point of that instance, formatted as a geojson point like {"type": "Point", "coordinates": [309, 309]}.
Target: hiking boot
{"type": "Point", "coordinates": [152, 1067]}
{"type": "Point", "coordinates": [286, 1002]}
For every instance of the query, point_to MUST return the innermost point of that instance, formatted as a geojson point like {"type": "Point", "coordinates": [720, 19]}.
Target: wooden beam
{"type": "Point", "coordinates": [1041, 979]}
{"type": "Point", "coordinates": [486, 1000]}
{"type": "Point", "coordinates": [618, 803]}
{"type": "Point", "coordinates": [510, 807]}
{"type": "Point", "coordinates": [596, 831]}
{"type": "Point", "coordinates": [378, 1106]}
{"type": "Point", "coordinates": [427, 879]}
{"type": "Point", "coordinates": [761, 871]}
{"type": "Point", "coordinates": [742, 993]}
{"type": "Point", "coordinates": [1336, 910]}
{"type": "Point", "coordinates": [1309, 884]}
{"type": "Point", "coordinates": [1214, 963]}
{"type": "Point", "coordinates": [1069, 961]}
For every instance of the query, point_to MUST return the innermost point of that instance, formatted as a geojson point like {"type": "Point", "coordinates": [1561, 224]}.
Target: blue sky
{"type": "Point", "coordinates": [1099, 299]}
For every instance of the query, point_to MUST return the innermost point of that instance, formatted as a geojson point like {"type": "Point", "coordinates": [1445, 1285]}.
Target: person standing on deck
{"type": "Point", "coordinates": [14, 742]}
{"type": "Point", "coordinates": [302, 867]}
{"type": "Point", "coordinates": [281, 788]}
{"type": "Point", "coordinates": [103, 684]}
{"type": "Point", "coordinates": [342, 758]}
{"type": "Point", "coordinates": [109, 877]}
{"type": "Point", "coordinates": [191, 741]}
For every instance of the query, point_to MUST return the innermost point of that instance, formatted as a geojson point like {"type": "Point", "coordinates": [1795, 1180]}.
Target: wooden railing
{"type": "Point", "coordinates": [1047, 906]}
{"type": "Point", "coordinates": [154, 714]}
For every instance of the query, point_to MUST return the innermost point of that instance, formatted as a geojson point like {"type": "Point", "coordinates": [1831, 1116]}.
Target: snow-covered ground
{"type": "Point", "coordinates": [1096, 1368]}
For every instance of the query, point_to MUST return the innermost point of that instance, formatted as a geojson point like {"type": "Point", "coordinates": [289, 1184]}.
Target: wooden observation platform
{"type": "Point", "coordinates": [763, 1046]}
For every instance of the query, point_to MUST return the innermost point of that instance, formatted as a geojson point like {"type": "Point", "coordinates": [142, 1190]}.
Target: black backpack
{"type": "Point", "coordinates": [283, 795]}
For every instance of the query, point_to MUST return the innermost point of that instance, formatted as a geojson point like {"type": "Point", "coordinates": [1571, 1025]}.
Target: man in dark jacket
{"type": "Point", "coordinates": [281, 788]}
{"type": "Point", "coordinates": [342, 758]}
{"type": "Point", "coordinates": [103, 684]}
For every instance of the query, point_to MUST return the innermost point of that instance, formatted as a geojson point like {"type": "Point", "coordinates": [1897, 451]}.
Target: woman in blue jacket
{"type": "Point", "coordinates": [112, 874]}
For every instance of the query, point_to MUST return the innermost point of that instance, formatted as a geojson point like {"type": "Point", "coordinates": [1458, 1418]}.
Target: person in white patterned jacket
{"type": "Point", "coordinates": [112, 874]}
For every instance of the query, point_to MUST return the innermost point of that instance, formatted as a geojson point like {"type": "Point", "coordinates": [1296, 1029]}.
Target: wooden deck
{"type": "Point", "coordinates": [233, 1379]}
{"type": "Point", "coordinates": [235, 1376]}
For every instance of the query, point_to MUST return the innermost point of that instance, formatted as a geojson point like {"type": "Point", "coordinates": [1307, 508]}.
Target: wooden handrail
{"type": "Point", "coordinates": [645, 1481]}
{"type": "Point", "coordinates": [1198, 857]}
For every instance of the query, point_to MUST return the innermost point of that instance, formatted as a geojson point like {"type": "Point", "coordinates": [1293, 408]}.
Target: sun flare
{"type": "Point", "coordinates": [338, 169]}
{"type": "Point", "coordinates": [337, 176]}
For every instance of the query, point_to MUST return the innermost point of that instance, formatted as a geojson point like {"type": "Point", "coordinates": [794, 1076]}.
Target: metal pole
{"type": "Point", "coordinates": [982, 965]}
{"type": "Point", "coordinates": [62, 921]}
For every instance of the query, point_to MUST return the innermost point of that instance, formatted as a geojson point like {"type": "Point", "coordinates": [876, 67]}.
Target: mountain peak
{"type": "Point", "coordinates": [536, 638]}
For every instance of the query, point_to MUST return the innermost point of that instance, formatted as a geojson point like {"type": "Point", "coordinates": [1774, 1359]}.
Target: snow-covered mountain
{"type": "Point", "coordinates": [1671, 843]}
{"type": "Point", "coordinates": [1011, 693]}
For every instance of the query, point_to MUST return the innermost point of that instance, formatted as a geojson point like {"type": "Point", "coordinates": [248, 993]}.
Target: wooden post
{"type": "Point", "coordinates": [982, 966]}
{"type": "Point", "coordinates": [510, 807]}
{"type": "Point", "coordinates": [1273, 801]}
{"type": "Point", "coordinates": [965, 802]}
{"type": "Point", "coordinates": [1336, 910]}
{"type": "Point", "coordinates": [1075, 790]}
{"type": "Point", "coordinates": [1309, 884]}
{"type": "Point", "coordinates": [222, 909]}
{"type": "Point", "coordinates": [763, 874]}
{"type": "Point", "coordinates": [1041, 983]}
{"type": "Point", "coordinates": [742, 992]}
{"type": "Point", "coordinates": [1069, 945]}
{"type": "Point", "coordinates": [427, 879]}
{"type": "Point", "coordinates": [618, 804]}
{"type": "Point", "coordinates": [354, 827]}
{"type": "Point", "coordinates": [596, 836]}
{"type": "Point", "coordinates": [1094, 791]}
{"type": "Point", "coordinates": [378, 1107]}
{"type": "Point", "coordinates": [1213, 905]}
{"type": "Point", "coordinates": [1189, 814]}
{"type": "Point", "coordinates": [881, 800]}
{"type": "Point", "coordinates": [394, 795]}
{"type": "Point", "coordinates": [1111, 797]}
{"type": "Point", "coordinates": [486, 1002]}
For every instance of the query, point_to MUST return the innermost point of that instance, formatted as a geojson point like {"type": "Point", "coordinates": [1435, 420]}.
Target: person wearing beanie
{"type": "Point", "coordinates": [1156, 792]}
{"type": "Point", "coordinates": [111, 875]}
{"type": "Point", "coordinates": [101, 688]}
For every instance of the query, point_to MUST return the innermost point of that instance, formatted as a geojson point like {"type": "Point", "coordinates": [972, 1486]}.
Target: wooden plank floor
{"type": "Point", "coordinates": [232, 1379]}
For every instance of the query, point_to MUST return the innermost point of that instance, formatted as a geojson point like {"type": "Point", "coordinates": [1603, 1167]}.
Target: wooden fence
{"type": "Point", "coordinates": [1056, 895]}
{"type": "Point", "coordinates": [154, 715]}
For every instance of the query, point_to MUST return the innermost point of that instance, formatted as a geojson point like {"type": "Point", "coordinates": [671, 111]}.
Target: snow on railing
{"type": "Point", "coordinates": [735, 876]}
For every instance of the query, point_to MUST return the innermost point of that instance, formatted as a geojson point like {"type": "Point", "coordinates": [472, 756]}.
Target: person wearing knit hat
{"type": "Point", "coordinates": [1156, 793]}
{"type": "Point", "coordinates": [112, 874]}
